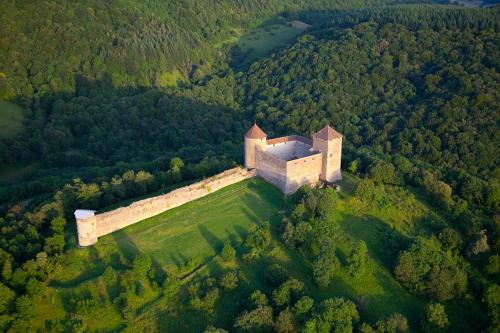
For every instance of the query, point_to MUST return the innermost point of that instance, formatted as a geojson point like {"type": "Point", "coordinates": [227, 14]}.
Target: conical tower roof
{"type": "Point", "coordinates": [255, 133]}
{"type": "Point", "coordinates": [327, 133]}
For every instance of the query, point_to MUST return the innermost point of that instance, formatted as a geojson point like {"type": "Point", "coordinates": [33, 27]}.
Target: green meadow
{"type": "Point", "coordinates": [250, 45]}
{"type": "Point", "coordinates": [185, 242]}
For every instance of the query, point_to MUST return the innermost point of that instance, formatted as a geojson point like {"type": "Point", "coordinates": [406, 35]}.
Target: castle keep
{"type": "Point", "coordinates": [290, 162]}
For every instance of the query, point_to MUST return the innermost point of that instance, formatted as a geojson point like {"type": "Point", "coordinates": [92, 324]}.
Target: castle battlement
{"type": "Point", "coordinates": [290, 162]}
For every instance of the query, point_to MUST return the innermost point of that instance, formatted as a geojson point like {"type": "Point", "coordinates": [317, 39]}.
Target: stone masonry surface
{"type": "Point", "coordinates": [92, 227]}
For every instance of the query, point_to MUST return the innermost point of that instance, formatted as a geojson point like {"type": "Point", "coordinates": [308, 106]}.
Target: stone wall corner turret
{"type": "Point", "coordinates": [86, 227]}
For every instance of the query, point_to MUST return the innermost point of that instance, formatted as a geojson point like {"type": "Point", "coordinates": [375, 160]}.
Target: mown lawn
{"type": "Point", "coordinates": [196, 231]}
{"type": "Point", "coordinates": [186, 240]}
{"type": "Point", "coordinates": [187, 235]}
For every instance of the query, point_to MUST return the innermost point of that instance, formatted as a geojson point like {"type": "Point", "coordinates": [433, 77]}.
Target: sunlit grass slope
{"type": "Point", "coordinates": [184, 242]}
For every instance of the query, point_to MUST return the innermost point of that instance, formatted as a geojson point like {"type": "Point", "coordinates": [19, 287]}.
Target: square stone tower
{"type": "Point", "coordinates": [329, 142]}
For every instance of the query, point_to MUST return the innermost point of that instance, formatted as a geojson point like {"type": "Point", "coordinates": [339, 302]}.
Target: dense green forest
{"type": "Point", "coordinates": [414, 89]}
{"type": "Point", "coordinates": [135, 42]}
{"type": "Point", "coordinates": [407, 87]}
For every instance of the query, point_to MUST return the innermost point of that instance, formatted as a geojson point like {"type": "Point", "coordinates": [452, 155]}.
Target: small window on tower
{"type": "Point", "coordinates": [331, 154]}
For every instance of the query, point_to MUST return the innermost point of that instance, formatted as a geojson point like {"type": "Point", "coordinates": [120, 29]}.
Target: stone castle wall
{"type": "Point", "coordinates": [302, 171]}
{"type": "Point", "coordinates": [271, 168]}
{"type": "Point", "coordinates": [102, 224]}
{"type": "Point", "coordinates": [288, 176]}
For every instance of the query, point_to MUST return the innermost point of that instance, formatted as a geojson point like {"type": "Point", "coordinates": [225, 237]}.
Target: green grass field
{"type": "Point", "coordinates": [261, 41]}
{"type": "Point", "coordinates": [187, 235]}
{"type": "Point", "coordinates": [11, 119]}
{"type": "Point", "coordinates": [196, 231]}
{"type": "Point", "coordinates": [170, 79]}
{"type": "Point", "coordinates": [185, 242]}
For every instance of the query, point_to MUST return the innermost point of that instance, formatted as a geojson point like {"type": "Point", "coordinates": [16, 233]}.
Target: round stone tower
{"type": "Point", "coordinates": [86, 227]}
{"type": "Point", "coordinates": [255, 137]}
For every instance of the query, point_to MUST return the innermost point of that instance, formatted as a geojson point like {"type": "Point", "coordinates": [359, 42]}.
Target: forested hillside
{"type": "Point", "coordinates": [415, 83]}
{"type": "Point", "coordinates": [411, 242]}
{"type": "Point", "coordinates": [134, 42]}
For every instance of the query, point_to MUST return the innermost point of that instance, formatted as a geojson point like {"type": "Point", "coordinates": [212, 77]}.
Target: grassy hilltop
{"type": "Point", "coordinates": [186, 243]}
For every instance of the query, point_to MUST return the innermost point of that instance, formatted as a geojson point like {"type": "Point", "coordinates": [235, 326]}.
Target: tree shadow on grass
{"type": "Point", "coordinates": [242, 232]}
{"type": "Point", "coordinates": [342, 256]}
{"type": "Point", "coordinates": [383, 241]}
{"type": "Point", "coordinates": [177, 260]}
{"type": "Point", "coordinates": [215, 242]}
{"type": "Point", "coordinates": [396, 299]}
{"type": "Point", "coordinates": [91, 271]}
{"type": "Point", "coordinates": [267, 192]}
{"type": "Point", "coordinates": [130, 251]}
{"type": "Point", "coordinates": [251, 216]}
{"type": "Point", "coordinates": [234, 239]}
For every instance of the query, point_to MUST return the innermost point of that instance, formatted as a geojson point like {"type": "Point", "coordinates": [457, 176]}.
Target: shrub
{"type": "Point", "coordinates": [357, 259]}
{"type": "Point", "coordinates": [435, 318]}
{"type": "Point", "coordinates": [211, 329]}
{"type": "Point", "coordinates": [170, 288]}
{"type": "Point", "coordinates": [6, 297]}
{"type": "Point", "coordinates": [257, 320]}
{"type": "Point", "coordinates": [275, 274]}
{"type": "Point", "coordinates": [109, 276]}
{"type": "Point", "coordinates": [384, 172]}
{"type": "Point", "coordinates": [142, 264]}
{"type": "Point", "coordinates": [285, 322]}
{"type": "Point", "coordinates": [288, 292]}
{"type": "Point", "coordinates": [303, 305]}
{"type": "Point", "coordinates": [229, 281]}
{"type": "Point", "coordinates": [426, 269]}
{"type": "Point", "coordinates": [365, 189]}
{"type": "Point", "coordinates": [228, 252]}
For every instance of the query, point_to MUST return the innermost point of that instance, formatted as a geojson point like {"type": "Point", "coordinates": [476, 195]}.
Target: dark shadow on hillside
{"type": "Point", "coordinates": [92, 271]}
{"type": "Point", "coordinates": [233, 238]}
{"type": "Point", "coordinates": [267, 192]}
{"type": "Point", "coordinates": [240, 55]}
{"type": "Point", "coordinates": [251, 216]}
{"type": "Point", "coordinates": [178, 259]}
{"type": "Point", "coordinates": [107, 130]}
{"type": "Point", "coordinates": [126, 246]}
{"type": "Point", "coordinates": [397, 299]}
{"type": "Point", "coordinates": [383, 241]}
{"type": "Point", "coordinates": [342, 256]}
{"type": "Point", "coordinates": [242, 232]}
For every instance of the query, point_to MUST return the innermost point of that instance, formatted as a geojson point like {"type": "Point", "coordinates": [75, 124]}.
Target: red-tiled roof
{"type": "Point", "coordinates": [255, 133]}
{"type": "Point", "coordinates": [289, 138]}
{"type": "Point", "coordinates": [327, 134]}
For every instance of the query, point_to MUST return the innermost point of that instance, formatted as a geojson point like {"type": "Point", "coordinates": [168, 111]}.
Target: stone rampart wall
{"type": "Point", "coordinates": [302, 171]}
{"type": "Point", "coordinates": [105, 223]}
{"type": "Point", "coordinates": [271, 168]}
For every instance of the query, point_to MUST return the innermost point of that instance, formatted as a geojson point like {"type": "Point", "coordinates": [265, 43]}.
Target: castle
{"type": "Point", "coordinates": [290, 162]}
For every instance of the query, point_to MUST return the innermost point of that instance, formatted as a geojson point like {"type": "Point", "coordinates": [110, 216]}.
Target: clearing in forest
{"type": "Point", "coordinates": [259, 42]}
